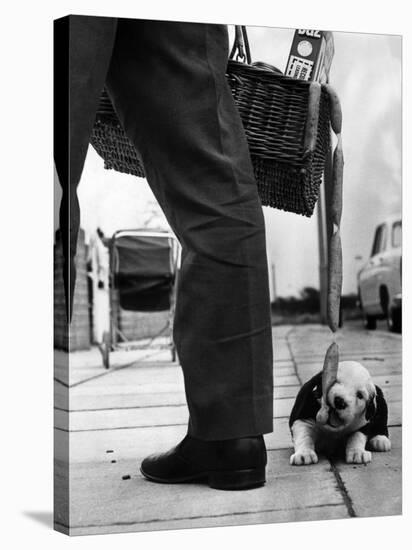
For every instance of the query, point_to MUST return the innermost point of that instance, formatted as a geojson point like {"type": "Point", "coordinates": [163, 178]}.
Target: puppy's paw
{"type": "Point", "coordinates": [358, 456]}
{"type": "Point", "coordinates": [304, 457]}
{"type": "Point", "coordinates": [380, 443]}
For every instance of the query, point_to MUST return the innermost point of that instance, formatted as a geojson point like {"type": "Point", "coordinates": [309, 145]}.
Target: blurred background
{"type": "Point", "coordinates": [366, 72]}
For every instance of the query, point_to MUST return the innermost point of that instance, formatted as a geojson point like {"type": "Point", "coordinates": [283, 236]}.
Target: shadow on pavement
{"type": "Point", "coordinates": [44, 518]}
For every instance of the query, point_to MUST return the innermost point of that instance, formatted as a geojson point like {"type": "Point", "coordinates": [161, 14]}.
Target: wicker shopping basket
{"type": "Point", "coordinates": [287, 125]}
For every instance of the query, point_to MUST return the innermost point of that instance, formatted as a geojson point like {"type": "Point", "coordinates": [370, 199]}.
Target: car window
{"type": "Point", "coordinates": [397, 234]}
{"type": "Point", "coordinates": [384, 239]}
{"type": "Point", "coordinates": [376, 240]}
{"type": "Point", "coordinates": [379, 243]}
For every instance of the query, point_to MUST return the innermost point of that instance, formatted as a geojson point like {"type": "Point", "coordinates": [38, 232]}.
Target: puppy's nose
{"type": "Point", "coordinates": [339, 403]}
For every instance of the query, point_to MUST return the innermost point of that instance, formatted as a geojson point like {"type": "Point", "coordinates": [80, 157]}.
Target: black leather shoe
{"type": "Point", "coordinates": [232, 464]}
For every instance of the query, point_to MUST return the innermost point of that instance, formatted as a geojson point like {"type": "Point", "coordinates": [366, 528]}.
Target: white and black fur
{"type": "Point", "coordinates": [358, 417]}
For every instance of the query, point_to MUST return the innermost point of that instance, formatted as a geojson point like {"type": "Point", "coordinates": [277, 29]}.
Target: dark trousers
{"type": "Point", "coordinates": [167, 83]}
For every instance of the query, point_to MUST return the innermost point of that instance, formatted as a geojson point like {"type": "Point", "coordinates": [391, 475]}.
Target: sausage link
{"type": "Point", "coordinates": [334, 281]}
{"type": "Point", "coordinates": [335, 109]}
{"type": "Point", "coordinates": [330, 368]}
{"type": "Point", "coordinates": [338, 162]}
{"type": "Point", "coordinates": [311, 130]}
{"type": "Point", "coordinates": [329, 375]}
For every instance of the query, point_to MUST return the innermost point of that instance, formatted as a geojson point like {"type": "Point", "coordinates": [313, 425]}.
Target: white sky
{"type": "Point", "coordinates": [366, 72]}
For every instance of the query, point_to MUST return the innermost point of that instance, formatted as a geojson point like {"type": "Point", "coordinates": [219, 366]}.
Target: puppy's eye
{"type": "Point", "coordinates": [359, 395]}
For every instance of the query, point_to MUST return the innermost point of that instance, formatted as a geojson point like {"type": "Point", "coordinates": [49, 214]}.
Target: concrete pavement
{"type": "Point", "coordinates": [113, 419]}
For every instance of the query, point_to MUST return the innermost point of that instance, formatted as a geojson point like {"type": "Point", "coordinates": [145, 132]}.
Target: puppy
{"type": "Point", "coordinates": [357, 417]}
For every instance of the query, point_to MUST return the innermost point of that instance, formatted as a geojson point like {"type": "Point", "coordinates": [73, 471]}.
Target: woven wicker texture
{"type": "Point", "coordinates": [275, 111]}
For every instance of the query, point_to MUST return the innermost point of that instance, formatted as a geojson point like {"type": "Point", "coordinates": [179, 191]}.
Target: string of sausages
{"type": "Point", "coordinates": [334, 291]}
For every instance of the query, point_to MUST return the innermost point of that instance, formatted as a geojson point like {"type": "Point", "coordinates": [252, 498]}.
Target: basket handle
{"type": "Point", "coordinates": [240, 46]}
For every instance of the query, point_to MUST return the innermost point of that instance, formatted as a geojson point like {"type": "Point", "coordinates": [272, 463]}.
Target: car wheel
{"type": "Point", "coordinates": [369, 322]}
{"type": "Point", "coordinates": [394, 320]}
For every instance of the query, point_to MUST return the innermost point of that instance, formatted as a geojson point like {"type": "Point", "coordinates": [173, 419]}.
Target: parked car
{"type": "Point", "coordinates": [380, 280]}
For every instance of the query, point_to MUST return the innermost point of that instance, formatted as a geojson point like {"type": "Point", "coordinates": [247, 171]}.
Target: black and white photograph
{"type": "Point", "coordinates": [204, 287]}
{"type": "Point", "coordinates": [227, 274]}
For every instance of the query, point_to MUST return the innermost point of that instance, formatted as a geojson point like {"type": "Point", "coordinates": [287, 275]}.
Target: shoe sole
{"type": "Point", "coordinates": [235, 480]}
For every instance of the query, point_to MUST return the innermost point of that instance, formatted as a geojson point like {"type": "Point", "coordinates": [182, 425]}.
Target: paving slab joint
{"type": "Point", "coordinates": [294, 363]}
{"type": "Point", "coordinates": [343, 490]}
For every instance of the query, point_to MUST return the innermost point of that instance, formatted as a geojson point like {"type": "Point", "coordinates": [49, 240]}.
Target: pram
{"type": "Point", "coordinates": [143, 269]}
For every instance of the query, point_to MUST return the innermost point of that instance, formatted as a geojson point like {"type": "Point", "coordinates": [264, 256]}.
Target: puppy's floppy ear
{"type": "Point", "coordinates": [378, 424]}
{"type": "Point", "coordinates": [306, 404]}
{"type": "Point", "coordinates": [381, 417]}
{"type": "Point", "coordinates": [371, 405]}
{"type": "Point", "coordinates": [317, 388]}
{"type": "Point", "coordinates": [370, 408]}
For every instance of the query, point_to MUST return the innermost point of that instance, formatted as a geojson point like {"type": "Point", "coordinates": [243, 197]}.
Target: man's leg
{"type": "Point", "coordinates": [167, 81]}
{"type": "Point", "coordinates": [83, 47]}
